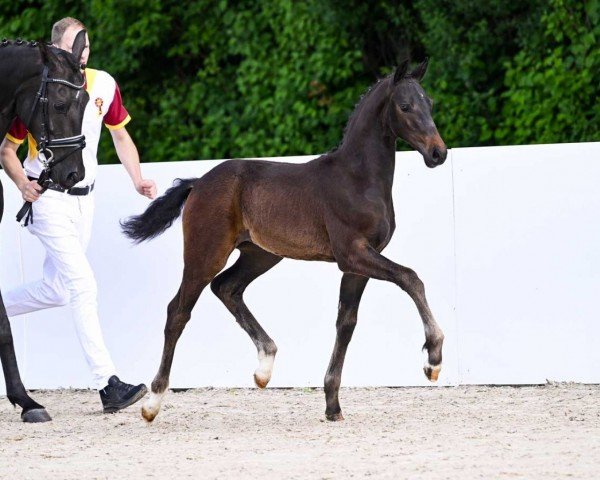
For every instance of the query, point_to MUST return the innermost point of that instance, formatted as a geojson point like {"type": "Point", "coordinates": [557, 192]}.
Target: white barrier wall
{"type": "Point", "coordinates": [506, 239]}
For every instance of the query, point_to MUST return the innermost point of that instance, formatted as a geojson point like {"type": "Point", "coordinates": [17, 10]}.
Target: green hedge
{"type": "Point", "coordinates": [222, 79]}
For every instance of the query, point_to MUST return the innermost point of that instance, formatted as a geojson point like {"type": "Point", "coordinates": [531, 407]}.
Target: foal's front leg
{"type": "Point", "coordinates": [362, 259]}
{"type": "Point", "coordinates": [351, 291]}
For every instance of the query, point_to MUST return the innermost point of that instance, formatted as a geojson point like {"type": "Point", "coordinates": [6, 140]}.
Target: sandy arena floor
{"type": "Point", "coordinates": [544, 432]}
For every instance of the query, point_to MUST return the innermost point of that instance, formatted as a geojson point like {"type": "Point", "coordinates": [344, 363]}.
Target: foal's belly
{"type": "Point", "coordinates": [296, 243]}
{"type": "Point", "coordinates": [288, 229]}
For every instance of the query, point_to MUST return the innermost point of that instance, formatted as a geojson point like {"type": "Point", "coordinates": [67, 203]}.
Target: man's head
{"type": "Point", "coordinates": [63, 36]}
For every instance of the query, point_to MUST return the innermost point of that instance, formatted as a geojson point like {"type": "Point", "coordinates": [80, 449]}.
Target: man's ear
{"type": "Point", "coordinates": [79, 46]}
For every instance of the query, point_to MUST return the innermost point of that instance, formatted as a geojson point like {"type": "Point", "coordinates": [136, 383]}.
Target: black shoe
{"type": "Point", "coordinates": [118, 395]}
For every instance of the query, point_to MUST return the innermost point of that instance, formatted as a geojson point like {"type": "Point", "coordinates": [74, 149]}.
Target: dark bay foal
{"type": "Point", "coordinates": [336, 208]}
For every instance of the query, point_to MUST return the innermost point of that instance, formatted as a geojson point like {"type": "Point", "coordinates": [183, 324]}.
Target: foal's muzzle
{"type": "Point", "coordinates": [435, 156]}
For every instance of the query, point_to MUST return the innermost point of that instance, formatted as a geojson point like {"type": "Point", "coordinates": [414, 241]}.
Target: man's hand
{"type": "Point", "coordinates": [146, 188]}
{"type": "Point", "coordinates": [30, 190]}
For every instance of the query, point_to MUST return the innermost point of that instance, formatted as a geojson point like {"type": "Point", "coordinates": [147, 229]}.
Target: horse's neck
{"type": "Point", "coordinates": [18, 64]}
{"type": "Point", "coordinates": [369, 146]}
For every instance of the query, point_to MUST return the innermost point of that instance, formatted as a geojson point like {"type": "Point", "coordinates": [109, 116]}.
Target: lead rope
{"type": "Point", "coordinates": [27, 208]}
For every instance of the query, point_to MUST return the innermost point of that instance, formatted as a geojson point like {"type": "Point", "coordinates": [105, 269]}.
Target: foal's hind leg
{"type": "Point", "coordinates": [229, 286]}
{"type": "Point", "coordinates": [351, 291]}
{"type": "Point", "coordinates": [205, 255]}
{"type": "Point", "coordinates": [362, 259]}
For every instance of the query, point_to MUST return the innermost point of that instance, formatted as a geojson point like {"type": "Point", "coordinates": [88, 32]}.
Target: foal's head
{"type": "Point", "coordinates": [409, 115]}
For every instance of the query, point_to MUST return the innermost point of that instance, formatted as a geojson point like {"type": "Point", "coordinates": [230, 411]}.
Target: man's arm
{"type": "Point", "coordinates": [129, 157]}
{"type": "Point", "coordinates": [30, 190]}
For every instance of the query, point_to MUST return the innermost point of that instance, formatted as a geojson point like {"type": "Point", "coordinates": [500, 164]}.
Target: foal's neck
{"type": "Point", "coordinates": [369, 146]}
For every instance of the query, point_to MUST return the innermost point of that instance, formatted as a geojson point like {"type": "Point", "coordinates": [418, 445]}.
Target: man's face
{"type": "Point", "coordinates": [66, 43]}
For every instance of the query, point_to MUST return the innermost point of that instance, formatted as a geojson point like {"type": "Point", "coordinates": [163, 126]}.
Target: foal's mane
{"type": "Point", "coordinates": [359, 106]}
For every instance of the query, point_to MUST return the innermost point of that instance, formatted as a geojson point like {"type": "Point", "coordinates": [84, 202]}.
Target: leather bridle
{"type": "Point", "coordinates": [45, 143]}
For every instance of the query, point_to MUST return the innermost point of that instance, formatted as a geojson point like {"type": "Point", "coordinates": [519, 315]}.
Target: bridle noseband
{"type": "Point", "coordinates": [46, 144]}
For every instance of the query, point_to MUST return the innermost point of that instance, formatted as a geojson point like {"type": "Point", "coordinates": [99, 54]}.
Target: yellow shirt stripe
{"type": "Point", "coordinates": [90, 78]}
{"type": "Point", "coordinates": [120, 125]}
{"type": "Point", "coordinates": [13, 139]}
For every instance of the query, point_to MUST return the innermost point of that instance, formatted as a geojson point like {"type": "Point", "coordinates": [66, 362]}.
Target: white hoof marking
{"type": "Point", "coordinates": [262, 375]}
{"type": "Point", "coordinates": [152, 405]}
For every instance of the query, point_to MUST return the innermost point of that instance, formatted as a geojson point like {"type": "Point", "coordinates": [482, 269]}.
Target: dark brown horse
{"type": "Point", "coordinates": [336, 208]}
{"type": "Point", "coordinates": [44, 87]}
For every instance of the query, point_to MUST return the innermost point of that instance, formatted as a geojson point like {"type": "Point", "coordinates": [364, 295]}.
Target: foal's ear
{"type": "Point", "coordinates": [419, 72]}
{"type": "Point", "coordinates": [79, 46]}
{"type": "Point", "coordinates": [400, 72]}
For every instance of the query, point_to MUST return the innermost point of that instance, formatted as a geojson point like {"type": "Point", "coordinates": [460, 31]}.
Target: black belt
{"type": "Point", "coordinates": [79, 191]}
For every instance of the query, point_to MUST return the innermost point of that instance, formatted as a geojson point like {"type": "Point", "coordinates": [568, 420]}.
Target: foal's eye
{"type": "Point", "coordinates": [405, 107]}
{"type": "Point", "coordinates": [60, 107]}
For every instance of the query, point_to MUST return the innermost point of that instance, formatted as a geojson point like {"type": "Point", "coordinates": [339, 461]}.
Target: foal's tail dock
{"type": "Point", "coordinates": [161, 213]}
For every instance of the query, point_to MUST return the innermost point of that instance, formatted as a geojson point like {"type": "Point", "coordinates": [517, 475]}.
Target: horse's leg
{"type": "Point", "coordinates": [229, 286]}
{"type": "Point", "coordinates": [32, 412]}
{"type": "Point", "coordinates": [351, 291]}
{"type": "Point", "coordinates": [205, 253]}
{"type": "Point", "coordinates": [362, 259]}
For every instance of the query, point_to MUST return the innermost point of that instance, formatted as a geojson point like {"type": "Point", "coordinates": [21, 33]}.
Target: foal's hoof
{"type": "Point", "coordinates": [334, 417]}
{"type": "Point", "coordinates": [149, 413]}
{"type": "Point", "coordinates": [151, 406]}
{"type": "Point", "coordinates": [432, 372]}
{"type": "Point", "coordinates": [262, 375]}
{"type": "Point", "coordinates": [150, 409]}
{"type": "Point", "coordinates": [37, 415]}
{"type": "Point", "coordinates": [261, 379]}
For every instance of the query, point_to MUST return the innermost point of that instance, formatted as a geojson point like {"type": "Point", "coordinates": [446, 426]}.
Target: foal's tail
{"type": "Point", "coordinates": [160, 214]}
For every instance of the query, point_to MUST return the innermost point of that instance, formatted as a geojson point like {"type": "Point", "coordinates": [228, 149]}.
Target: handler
{"type": "Point", "coordinates": [63, 221]}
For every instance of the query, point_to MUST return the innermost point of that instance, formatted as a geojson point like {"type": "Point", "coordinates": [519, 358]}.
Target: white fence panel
{"type": "Point", "coordinates": [516, 295]}
{"type": "Point", "coordinates": [528, 263]}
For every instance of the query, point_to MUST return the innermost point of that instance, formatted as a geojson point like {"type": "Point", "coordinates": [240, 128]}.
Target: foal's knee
{"type": "Point", "coordinates": [345, 327]}
{"type": "Point", "coordinates": [410, 281]}
{"type": "Point", "coordinates": [176, 323]}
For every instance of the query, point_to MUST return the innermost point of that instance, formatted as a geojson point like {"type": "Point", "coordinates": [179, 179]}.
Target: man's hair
{"type": "Point", "coordinates": [60, 27]}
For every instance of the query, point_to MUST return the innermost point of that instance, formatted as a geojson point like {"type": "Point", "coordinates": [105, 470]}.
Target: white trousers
{"type": "Point", "coordinates": [63, 224]}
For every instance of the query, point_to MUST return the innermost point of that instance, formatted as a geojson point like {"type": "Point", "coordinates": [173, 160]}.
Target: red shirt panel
{"type": "Point", "coordinates": [18, 130]}
{"type": "Point", "coordinates": [117, 112]}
